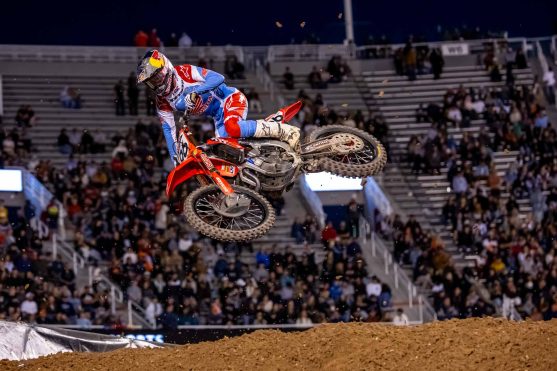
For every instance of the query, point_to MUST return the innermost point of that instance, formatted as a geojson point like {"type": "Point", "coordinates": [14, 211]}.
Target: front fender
{"type": "Point", "coordinates": [184, 171]}
{"type": "Point", "coordinates": [190, 168]}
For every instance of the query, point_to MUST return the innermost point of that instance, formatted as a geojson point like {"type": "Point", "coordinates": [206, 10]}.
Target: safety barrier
{"type": "Point", "coordinates": [112, 54]}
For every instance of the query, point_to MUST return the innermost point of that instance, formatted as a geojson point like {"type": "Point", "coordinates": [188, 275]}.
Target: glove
{"type": "Point", "coordinates": [190, 100]}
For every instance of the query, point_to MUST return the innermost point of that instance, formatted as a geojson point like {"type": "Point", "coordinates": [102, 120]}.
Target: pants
{"type": "Point", "coordinates": [231, 120]}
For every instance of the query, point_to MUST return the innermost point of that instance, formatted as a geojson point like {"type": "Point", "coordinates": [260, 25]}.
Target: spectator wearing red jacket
{"type": "Point", "coordinates": [141, 39]}
{"type": "Point", "coordinates": [329, 233]}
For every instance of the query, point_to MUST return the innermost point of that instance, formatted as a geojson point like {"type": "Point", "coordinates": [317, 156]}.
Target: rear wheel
{"type": "Point", "coordinates": [359, 154]}
{"type": "Point", "coordinates": [244, 217]}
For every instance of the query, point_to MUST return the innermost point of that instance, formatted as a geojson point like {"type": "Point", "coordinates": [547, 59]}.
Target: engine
{"type": "Point", "coordinates": [270, 166]}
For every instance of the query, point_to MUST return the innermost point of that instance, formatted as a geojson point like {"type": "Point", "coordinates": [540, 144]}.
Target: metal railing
{"type": "Point", "coordinates": [135, 313]}
{"type": "Point", "coordinates": [554, 48]}
{"type": "Point", "coordinates": [544, 65]}
{"type": "Point", "coordinates": [112, 54]}
{"type": "Point", "coordinates": [268, 84]}
{"type": "Point", "coordinates": [376, 250]}
{"type": "Point", "coordinates": [308, 52]}
{"type": "Point", "coordinates": [40, 197]}
{"type": "Point", "coordinates": [498, 45]}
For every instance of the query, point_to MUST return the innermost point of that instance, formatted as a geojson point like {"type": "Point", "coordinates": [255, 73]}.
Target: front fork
{"type": "Point", "coordinates": [210, 170]}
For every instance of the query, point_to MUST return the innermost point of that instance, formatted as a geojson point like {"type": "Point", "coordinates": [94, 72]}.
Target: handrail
{"type": "Point", "coordinates": [378, 251]}
{"type": "Point", "coordinates": [40, 197]}
{"type": "Point", "coordinates": [543, 63]}
{"type": "Point", "coordinates": [313, 202]}
{"type": "Point", "coordinates": [474, 45]}
{"type": "Point", "coordinates": [111, 54]}
{"type": "Point", "coordinates": [554, 48]}
{"type": "Point", "coordinates": [269, 84]}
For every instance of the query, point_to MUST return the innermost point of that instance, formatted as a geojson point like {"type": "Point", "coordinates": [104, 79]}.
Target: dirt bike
{"type": "Point", "coordinates": [235, 175]}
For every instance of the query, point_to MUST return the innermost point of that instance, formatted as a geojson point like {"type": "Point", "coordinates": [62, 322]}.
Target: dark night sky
{"type": "Point", "coordinates": [253, 22]}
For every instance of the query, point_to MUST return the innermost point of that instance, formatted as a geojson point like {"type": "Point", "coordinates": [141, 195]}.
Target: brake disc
{"type": "Point", "coordinates": [347, 143]}
{"type": "Point", "coordinates": [233, 206]}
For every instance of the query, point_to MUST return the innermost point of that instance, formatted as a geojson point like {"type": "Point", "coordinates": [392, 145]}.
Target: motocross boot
{"type": "Point", "coordinates": [274, 125]}
{"type": "Point", "coordinates": [273, 129]}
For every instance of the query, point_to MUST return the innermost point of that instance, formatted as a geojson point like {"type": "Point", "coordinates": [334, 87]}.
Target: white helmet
{"type": "Point", "coordinates": [157, 72]}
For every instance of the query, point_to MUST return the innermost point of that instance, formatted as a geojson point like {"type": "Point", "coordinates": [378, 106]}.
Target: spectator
{"type": "Point", "coordinates": [437, 63]}
{"type": "Point", "coordinates": [63, 142]}
{"type": "Point", "coordinates": [400, 318]}
{"type": "Point", "coordinates": [75, 140]}
{"type": "Point", "coordinates": [119, 98]}
{"type": "Point", "coordinates": [460, 185]}
{"type": "Point", "coordinates": [329, 233]}
{"type": "Point", "coordinates": [70, 98]}
{"type": "Point", "coordinates": [25, 116]}
{"type": "Point", "coordinates": [288, 79]}
{"type": "Point", "coordinates": [87, 142]}
{"type": "Point", "coordinates": [410, 61]}
{"type": "Point", "coordinates": [133, 94]}
{"type": "Point", "coordinates": [29, 305]}
{"type": "Point", "coordinates": [185, 41]}
{"type": "Point", "coordinates": [304, 319]}
{"type": "Point", "coordinates": [141, 39]}
{"type": "Point", "coordinates": [315, 81]}
{"type": "Point", "coordinates": [99, 141]}
{"type": "Point", "coordinates": [520, 59]}
{"type": "Point", "coordinates": [549, 81]}
{"type": "Point", "coordinates": [172, 41]}
{"type": "Point", "coordinates": [233, 68]}
{"type": "Point", "coordinates": [297, 231]}
{"type": "Point", "coordinates": [253, 100]}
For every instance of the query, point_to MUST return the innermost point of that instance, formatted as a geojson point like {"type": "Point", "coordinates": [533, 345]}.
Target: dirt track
{"type": "Point", "coordinates": [475, 344]}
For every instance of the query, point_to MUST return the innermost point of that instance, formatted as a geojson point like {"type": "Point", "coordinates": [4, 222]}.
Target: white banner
{"type": "Point", "coordinates": [455, 49]}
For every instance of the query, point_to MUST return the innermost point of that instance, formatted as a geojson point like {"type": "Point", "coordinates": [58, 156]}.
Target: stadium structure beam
{"type": "Point", "coordinates": [348, 22]}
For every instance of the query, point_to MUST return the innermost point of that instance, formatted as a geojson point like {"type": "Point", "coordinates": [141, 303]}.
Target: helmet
{"type": "Point", "coordinates": [157, 72]}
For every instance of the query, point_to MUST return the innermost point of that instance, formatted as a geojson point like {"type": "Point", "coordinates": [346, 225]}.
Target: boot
{"type": "Point", "coordinates": [273, 129]}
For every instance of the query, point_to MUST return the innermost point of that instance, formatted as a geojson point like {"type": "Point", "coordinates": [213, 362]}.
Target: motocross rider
{"type": "Point", "coordinates": [199, 91]}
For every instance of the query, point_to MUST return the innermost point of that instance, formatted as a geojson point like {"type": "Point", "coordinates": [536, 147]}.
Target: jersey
{"type": "Point", "coordinates": [226, 105]}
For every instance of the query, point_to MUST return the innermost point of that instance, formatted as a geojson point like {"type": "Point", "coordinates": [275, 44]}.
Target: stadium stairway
{"type": "Point", "coordinates": [397, 99]}
{"type": "Point", "coordinates": [97, 113]}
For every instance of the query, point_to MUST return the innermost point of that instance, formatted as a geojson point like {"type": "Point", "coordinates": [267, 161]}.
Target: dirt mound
{"type": "Point", "coordinates": [479, 344]}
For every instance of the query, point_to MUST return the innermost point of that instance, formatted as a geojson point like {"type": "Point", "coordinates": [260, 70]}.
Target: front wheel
{"type": "Point", "coordinates": [242, 217]}
{"type": "Point", "coordinates": [358, 153]}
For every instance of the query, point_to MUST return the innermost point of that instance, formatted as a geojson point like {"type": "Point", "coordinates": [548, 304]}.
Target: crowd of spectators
{"type": "Point", "coordinates": [15, 140]}
{"type": "Point", "coordinates": [337, 70]}
{"type": "Point", "coordinates": [37, 287]}
{"type": "Point", "coordinates": [121, 216]}
{"type": "Point", "coordinates": [516, 248]}
{"type": "Point", "coordinates": [316, 112]}
{"type": "Point", "coordinates": [412, 61]}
